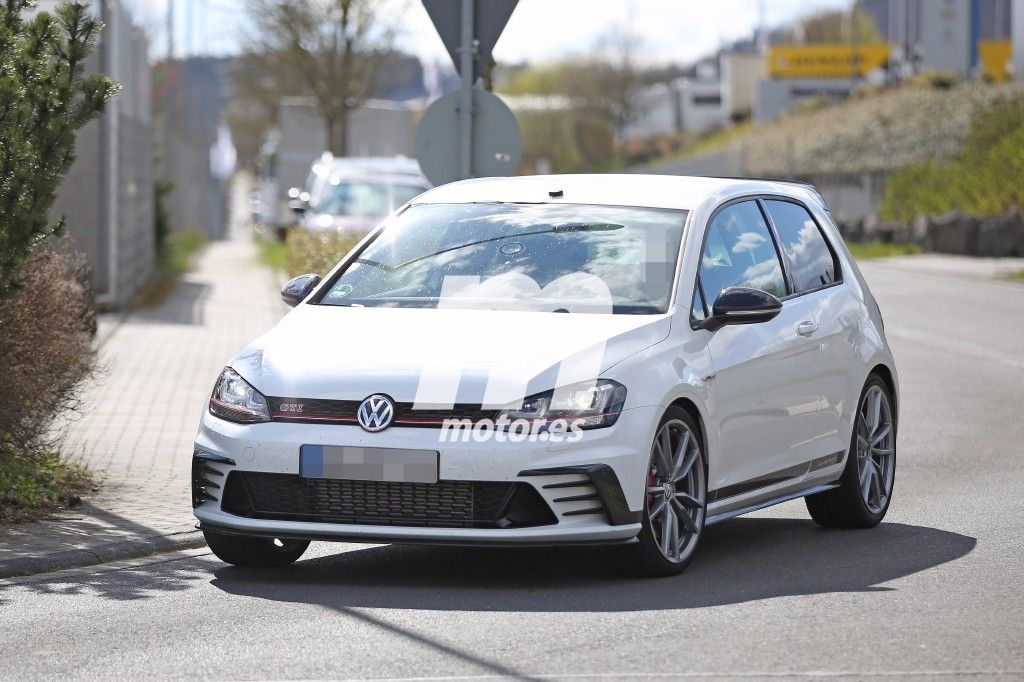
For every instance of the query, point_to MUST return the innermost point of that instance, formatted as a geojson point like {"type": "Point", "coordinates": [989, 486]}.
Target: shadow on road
{"type": "Point", "coordinates": [739, 561]}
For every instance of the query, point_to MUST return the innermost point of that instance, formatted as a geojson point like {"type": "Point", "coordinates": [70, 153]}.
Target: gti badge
{"type": "Point", "coordinates": [376, 412]}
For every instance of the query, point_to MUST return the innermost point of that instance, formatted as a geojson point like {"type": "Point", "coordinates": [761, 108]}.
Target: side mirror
{"type": "Point", "coordinates": [740, 305]}
{"type": "Point", "coordinates": [298, 288]}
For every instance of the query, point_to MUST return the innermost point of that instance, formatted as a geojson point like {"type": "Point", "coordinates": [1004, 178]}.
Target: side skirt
{"type": "Point", "coordinates": [769, 502]}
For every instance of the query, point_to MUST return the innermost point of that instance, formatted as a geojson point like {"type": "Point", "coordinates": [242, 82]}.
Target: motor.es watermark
{"type": "Point", "coordinates": [504, 430]}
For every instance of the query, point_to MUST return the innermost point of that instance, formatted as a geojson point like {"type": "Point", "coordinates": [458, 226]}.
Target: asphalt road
{"type": "Point", "coordinates": [936, 589]}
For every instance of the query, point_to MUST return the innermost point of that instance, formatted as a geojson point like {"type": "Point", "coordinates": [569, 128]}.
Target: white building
{"type": "Point", "coordinates": [683, 104]}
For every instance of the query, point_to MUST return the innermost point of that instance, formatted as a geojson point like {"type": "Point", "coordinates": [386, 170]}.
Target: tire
{"type": "Point", "coordinates": [648, 556]}
{"type": "Point", "coordinates": [854, 503]}
{"type": "Point", "coordinates": [240, 550]}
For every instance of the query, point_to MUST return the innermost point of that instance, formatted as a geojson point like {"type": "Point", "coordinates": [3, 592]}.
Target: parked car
{"type": "Point", "coordinates": [559, 359]}
{"type": "Point", "coordinates": [354, 194]}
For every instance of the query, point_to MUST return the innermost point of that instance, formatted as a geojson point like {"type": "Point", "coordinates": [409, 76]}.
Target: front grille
{"type": "Point", "coordinates": [318, 411]}
{"type": "Point", "coordinates": [445, 504]}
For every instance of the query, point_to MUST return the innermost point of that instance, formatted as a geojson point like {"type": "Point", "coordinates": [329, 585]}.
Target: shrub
{"type": "Point", "coordinates": [44, 100]}
{"type": "Point", "coordinates": [46, 353]}
{"type": "Point", "coordinates": [317, 252]}
{"type": "Point", "coordinates": [986, 179]}
{"type": "Point", "coordinates": [940, 79]}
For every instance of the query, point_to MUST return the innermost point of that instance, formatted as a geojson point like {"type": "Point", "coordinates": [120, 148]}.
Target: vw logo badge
{"type": "Point", "coordinates": [376, 412]}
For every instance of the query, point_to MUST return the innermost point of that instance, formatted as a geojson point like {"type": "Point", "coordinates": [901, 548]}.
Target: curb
{"type": "Point", "coordinates": [101, 554]}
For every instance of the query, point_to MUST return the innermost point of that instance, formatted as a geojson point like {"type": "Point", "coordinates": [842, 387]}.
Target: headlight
{"type": "Point", "coordinates": [235, 400]}
{"type": "Point", "coordinates": [595, 403]}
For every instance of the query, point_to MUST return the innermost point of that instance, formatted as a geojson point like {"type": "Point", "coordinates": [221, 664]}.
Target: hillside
{"type": "Point", "coordinates": [880, 130]}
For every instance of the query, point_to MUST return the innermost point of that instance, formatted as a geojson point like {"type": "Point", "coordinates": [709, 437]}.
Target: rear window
{"type": "Point", "coordinates": [551, 258]}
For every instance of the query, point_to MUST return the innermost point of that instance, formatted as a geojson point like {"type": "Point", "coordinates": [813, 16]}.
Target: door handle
{"type": "Point", "coordinates": [806, 328]}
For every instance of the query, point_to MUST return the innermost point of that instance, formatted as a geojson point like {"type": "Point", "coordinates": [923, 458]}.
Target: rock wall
{"type": "Point", "coordinates": [955, 232]}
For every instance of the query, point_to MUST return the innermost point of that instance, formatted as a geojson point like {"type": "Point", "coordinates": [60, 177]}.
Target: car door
{"type": "Point", "coordinates": [764, 373]}
{"type": "Point", "coordinates": [817, 281]}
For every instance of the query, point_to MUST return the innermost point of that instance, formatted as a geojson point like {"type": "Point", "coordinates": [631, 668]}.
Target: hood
{"type": "Point", "coordinates": [438, 356]}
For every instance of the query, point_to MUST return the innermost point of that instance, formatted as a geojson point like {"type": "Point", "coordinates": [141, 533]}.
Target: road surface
{"type": "Point", "coordinates": [936, 589]}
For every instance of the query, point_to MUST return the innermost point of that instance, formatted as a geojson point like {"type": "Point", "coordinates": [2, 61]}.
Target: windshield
{"type": "Point", "coordinates": [566, 258]}
{"type": "Point", "coordinates": [363, 198]}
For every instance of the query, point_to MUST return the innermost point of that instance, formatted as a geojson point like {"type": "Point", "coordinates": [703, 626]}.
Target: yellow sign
{"type": "Point", "coordinates": [995, 58]}
{"type": "Point", "coordinates": [826, 61]}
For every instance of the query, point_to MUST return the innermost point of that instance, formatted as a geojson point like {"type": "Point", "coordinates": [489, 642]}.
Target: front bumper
{"type": "Point", "coordinates": [594, 487]}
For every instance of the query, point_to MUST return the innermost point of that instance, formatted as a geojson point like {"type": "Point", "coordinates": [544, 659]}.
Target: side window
{"type": "Point", "coordinates": [697, 312]}
{"type": "Point", "coordinates": [809, 257]}
{"type": "Point", "coordinates": [739, 252]}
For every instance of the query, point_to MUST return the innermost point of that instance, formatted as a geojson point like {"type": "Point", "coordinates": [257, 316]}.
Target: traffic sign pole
{"type": "Point", "coordinates": [471, 133]}
{"type": "Point", "coordinates": [467, 53]}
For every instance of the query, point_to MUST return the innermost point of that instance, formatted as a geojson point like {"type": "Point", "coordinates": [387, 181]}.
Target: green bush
{"type": "Point", "coordinates": [317, 252]}
{"type": "Point", "coordinates": [44, 99]}
{"type": "Point", "coordinates": [987, 178]}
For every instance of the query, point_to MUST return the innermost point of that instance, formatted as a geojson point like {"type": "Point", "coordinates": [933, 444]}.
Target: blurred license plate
{"type": "Point", "coordinates": [396, 465]}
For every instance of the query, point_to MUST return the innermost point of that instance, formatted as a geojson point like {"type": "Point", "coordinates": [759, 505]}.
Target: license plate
{"type": "Point", "coordinates": [397, 465]}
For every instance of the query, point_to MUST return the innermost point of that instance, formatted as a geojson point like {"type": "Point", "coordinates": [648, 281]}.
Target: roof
{"type": "Point", "coordinates": [658, 191]}
{"type": "Point", "coordinates": [387, 164]}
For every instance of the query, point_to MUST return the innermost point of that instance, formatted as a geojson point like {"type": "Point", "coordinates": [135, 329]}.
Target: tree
{"type": "Point", "coordinates": [837, 26]}
{"type": "Point", "coordinates": [612, 78]}
{"type": "Point", "coordinates": [44, 100]}
{"type": "Point", "coordinates": [333, 50]}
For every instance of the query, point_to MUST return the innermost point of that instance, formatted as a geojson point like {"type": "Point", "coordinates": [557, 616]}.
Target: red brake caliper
{"type": "Point", "coordinates": [650, 482]}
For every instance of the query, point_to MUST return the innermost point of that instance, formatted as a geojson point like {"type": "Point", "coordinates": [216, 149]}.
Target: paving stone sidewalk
{"type": "Point", "coordinates": [159, 368]}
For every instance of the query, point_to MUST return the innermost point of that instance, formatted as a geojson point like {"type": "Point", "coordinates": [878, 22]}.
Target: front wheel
{"type": "Point", "coordinates": [865, 487]}
{"type": "Point", "coordinates": [246, 551]}
{"type": "Point", "coordinates": [675, 502]}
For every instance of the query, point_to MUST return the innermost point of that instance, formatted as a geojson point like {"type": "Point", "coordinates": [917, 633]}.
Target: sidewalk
{"type": "Point", "coordinates": [159, 366]}
{"type": "Point", "coordinates": [953, 266]}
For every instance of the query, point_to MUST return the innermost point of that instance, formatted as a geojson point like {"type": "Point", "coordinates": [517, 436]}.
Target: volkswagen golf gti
{"type": "Point", "coordinates": [588, 359]}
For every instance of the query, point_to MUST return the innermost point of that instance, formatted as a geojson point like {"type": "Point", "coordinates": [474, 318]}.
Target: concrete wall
{"type": "Point", "coordinates": [740, 72]}
{"type": "Point", "coordinates": [945, 36]}
{"type": "Point", "coordinates": [107, 195]}
{"type": "Point", "coordinates": [776, 96]}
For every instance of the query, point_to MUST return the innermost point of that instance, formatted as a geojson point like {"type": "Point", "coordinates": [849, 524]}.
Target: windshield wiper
{"type": "Point", "coordinates": [569, 227]}
{"type": "Point", "coordinates": [375, 264]}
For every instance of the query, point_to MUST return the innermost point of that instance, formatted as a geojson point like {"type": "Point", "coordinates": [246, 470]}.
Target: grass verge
{"type": "Point", "coordinates": [273, 253]}
{"type": "Point", "coordinates": [1017, 276]}
{"type": "Point", "coordinates": [174, 260]}
{"type": "Point", "coordinates": [179, 249]}
{"type": "Point", "coordinates": [31, 488]}
{"type": "Point", "coordinates": [869, 250]}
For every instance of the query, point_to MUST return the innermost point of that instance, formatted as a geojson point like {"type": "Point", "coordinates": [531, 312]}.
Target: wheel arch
{"type": "Point", "coordinates": [691, 408]}
{"type": "Point", "coordinates": [885, 374]}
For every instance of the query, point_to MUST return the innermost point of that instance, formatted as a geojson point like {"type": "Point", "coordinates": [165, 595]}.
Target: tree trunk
{"type": "Point", "coordinates": [336, 132]}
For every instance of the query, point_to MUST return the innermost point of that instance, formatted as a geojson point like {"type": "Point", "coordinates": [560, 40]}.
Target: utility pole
{"type": "Point", "coordinates": [170, 30]}
{"type": "Point", "coordinates": [467, 53]}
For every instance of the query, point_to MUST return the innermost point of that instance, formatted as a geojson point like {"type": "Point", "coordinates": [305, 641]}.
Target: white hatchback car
{"type": "Point", "coordinates": [545, 360]}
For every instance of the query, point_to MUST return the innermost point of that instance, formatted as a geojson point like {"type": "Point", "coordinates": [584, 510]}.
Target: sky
{"type": "Point", "coordinates": [672, 31]}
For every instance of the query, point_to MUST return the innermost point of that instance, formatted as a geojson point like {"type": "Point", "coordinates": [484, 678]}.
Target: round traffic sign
{"type": "Point", "coordinates": [497, 144]}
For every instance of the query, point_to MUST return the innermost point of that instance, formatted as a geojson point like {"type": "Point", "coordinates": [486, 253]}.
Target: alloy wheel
{"type": "Point", "coordinates": [676, 490]}
{"type": "Point", "coordinates": [876, 449]}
